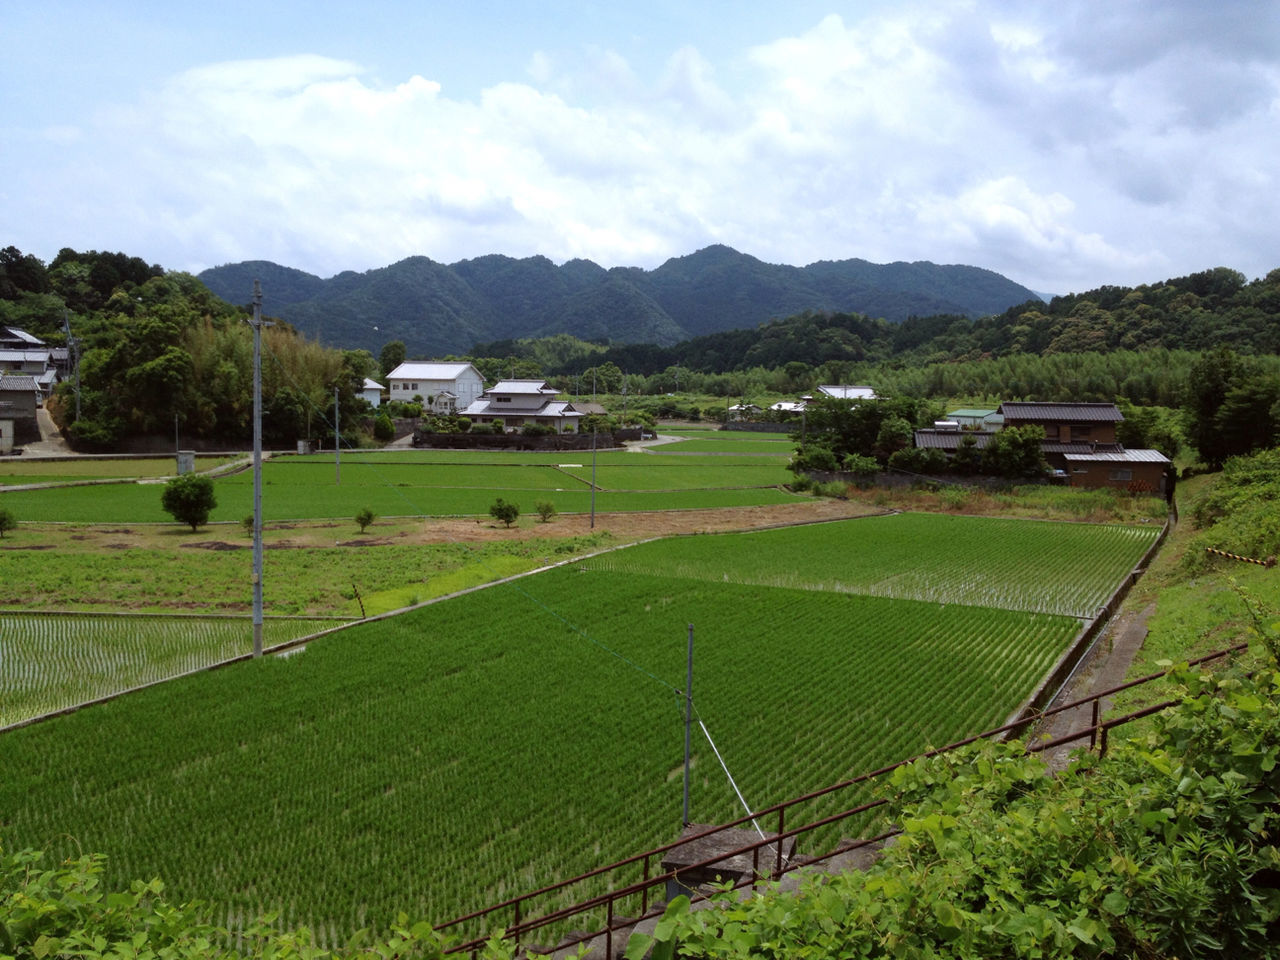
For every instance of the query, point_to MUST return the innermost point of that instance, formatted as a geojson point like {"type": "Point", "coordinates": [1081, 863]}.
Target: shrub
{"type": "Point", "coordinates": [189, 499]}
{"type": "Point", "coordinates": [247, 523]}
{"type": "Point", "coordinates": [7, 521]}
{"type": "Point", "coordinates": [537, 430]}
{"type": "Point", "coordinates": [833, 488]}
{"type": "Point", "coordinates": [506, 512]}
{"type": "Point", "coordinates": [811, 457]}
{"type": "Point", "coordinates": [365, 517]}
{"type": "Point", "coordinates": [95, 434]}
{"type": "Point", "coordinates": [863, 468]}
{"type": "Point", "coordinates": [918, 460]}
{"type": "Point", "coordinates": [953, 498]}
{"type": "Point", "coordinates": [546, 510]}
{"type": "Point", "coordinates": [383, 429]}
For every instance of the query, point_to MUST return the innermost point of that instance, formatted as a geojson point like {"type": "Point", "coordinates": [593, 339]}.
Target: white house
{"type": "Point", "coordinates": [517, 402]}
{"type": "Point", "coordinates": [445, 387]}
{"type": "Point", "coordinates": [844, 392]}
{"type": "Point", "coordinates": [372, 391]}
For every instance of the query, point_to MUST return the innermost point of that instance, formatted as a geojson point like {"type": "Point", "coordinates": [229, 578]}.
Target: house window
{"type": "Point", "coordinates": [1080, 431]}
{"type": "Point", "coordinates": [502, 399]}
{"type": "Point", "coordinates": [414, 387]}
{"type": "Point", "coordinates": [1122, 474]}
{"type": "Point", "coordinates": [1079, 469]}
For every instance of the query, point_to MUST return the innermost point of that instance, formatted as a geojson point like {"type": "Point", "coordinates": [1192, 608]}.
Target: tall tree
{"type": "Point", "coordinates": [1208, 381]}
{"type": "Point", "coordinates": [391, 357]}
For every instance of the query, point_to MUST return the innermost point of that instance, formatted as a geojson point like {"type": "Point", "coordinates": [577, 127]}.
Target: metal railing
{"type": "Point", "coordinates": [766, 855]}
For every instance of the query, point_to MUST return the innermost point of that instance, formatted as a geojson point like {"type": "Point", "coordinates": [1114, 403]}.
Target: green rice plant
{"type": "Point", "coordinates": [439, 760]}
{"type": "Point", "coordinates": [49, 662]}
{"type": "Point", "coordinates": [307, 490]}
{"type": "Point", "coordinates": [1068, 569]}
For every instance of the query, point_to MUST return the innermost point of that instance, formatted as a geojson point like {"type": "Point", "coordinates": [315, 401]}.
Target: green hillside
{"type": "Point", "coordinates": [439, 309]}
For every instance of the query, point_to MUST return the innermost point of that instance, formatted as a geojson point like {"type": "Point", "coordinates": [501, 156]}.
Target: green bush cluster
{"type": "Point", "coordinates": [64, 910]}
{"type": "Point", "coordinates": [1241, 514]}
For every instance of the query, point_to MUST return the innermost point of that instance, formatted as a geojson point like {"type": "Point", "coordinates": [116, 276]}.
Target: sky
{"type": "Point", "coordinates": [1064, 144]}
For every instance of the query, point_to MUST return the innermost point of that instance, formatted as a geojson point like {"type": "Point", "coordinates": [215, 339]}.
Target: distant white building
{"type": "Point", "coordinates": [372, 391]}
{"type": "Point", "coordinates": [518, 402]}
{"type": "Point", "coordinates": [444, 387]}
{"type": "Point", "coordinates": [843, 392]}
{"type": "Point", "coordinates": [788, 406]}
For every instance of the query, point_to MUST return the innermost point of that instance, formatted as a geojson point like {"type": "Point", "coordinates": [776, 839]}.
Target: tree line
{"type": "Point", "coordinates": [156, 346]}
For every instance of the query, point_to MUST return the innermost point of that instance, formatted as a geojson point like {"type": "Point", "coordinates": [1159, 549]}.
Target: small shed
{"type": "Point", "coordinates": [372, 391]}
{"type": "Point", "coordinates": [19, 396]}
{"type": "Point", "coordinates": [1138, 471]}
{"type": "Point", "coordinates": [972, 418]}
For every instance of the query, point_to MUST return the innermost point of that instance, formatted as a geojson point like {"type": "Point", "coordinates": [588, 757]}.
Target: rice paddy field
{"type": "Point", "coordinates": [442, 759]}
{"type": "Point", "coordinates": [1061, 568]}
{"type": "Point", "coordinates": [50, 662]}
{"type": "Point", "coordinates": [37, 471]}
{"type": "Point", "coordinates": [438, 483]}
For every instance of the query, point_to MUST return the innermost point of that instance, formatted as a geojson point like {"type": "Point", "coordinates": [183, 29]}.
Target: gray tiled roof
{"type": "Point", "coordinates": [11, 382]}
{"type": "Point", "coordinates": [950, 439]}
{"type": "Point", "coordinates": [1063, 412]}
{"type": "Point", "coordinates": [1121, 456]}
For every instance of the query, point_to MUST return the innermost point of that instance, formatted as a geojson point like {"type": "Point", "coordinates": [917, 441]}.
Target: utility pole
{"type": "Point", "coordinates": [257, 324]}
{"type": "Point", "coordinates": [688, 722]}
{"type": "Point", "coordinates": [337, 441]}
{"type": "Point", "coordinates": [73, 356]}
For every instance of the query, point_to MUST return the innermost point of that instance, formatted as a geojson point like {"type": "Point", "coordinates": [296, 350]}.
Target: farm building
{"type": "Point", "coordinates": [18, 398]}
{"type": "Point", "coordinates": [1066, 422]}
{"type": "Point", "coordinates": [519, 402]}
{"type": "Point", "coordinates": [1080, 441]}
{"type": "Point", "coordinates": [445, 387]}
{"type": "Point", "coordinates": [1139, 471]}
{"type": "Point", "coordinates": [372, 392]}
{"type": "Point", "coordinates": [834, 391]}
{"type": "Point", "coordinates": [22, 353]}
{"type": "Point", "coordinates": [846, 392]}
{"type": "Point", "coordinates": [987, 421]}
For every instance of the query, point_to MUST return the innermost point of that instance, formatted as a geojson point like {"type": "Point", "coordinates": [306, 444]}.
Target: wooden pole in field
{"type": "Point", "coordinates": [257, 468]}
{"type": "Point", "coordinates": [688, 721]}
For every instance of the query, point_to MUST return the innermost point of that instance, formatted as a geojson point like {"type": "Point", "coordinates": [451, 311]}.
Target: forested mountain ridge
{"type": "Point", "coordinates": [436, 309]}
{"type": "Point", "coordinates": [1196, 312]}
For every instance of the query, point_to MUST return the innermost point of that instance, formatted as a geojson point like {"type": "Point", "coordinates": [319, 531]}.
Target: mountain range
{"type": "Point", "coordinates": [439, 309]}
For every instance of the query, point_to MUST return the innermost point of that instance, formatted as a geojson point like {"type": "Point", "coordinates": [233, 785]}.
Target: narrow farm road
{"type": "Point", "coordinates": [51, 443]}
{"type": "Point", "coordinates": [1106, 667]}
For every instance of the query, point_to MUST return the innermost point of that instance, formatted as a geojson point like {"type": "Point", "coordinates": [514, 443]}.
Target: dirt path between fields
{"type": "Point", "coordinates": [1105, 667]}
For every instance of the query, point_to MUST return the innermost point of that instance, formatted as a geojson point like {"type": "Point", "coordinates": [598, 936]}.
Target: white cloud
{"type": "Point", "coordinates": [985, 133]}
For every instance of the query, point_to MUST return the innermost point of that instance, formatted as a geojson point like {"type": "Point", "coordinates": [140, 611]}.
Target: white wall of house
{"type": "Point", "coordinates": [420, 379]}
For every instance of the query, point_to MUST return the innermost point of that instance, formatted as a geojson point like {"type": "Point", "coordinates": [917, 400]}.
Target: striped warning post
{"type": "Point", "coordinates": [1269, 562]}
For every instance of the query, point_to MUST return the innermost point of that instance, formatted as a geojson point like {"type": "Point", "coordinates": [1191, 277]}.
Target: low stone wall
{"type": "Point", "coordinates": [753, 426]}
{"type": "Point", "coordinates": [515, 441]}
